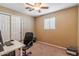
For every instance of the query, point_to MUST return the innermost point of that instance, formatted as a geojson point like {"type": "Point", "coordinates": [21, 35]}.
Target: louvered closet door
{"type": "Point", "coordinates": [16, 28]}
{"type": "Point", "coordinates": [5, 27]}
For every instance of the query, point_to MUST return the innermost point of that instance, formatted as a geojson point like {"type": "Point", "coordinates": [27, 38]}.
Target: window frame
{"type": "Point", "coordinates": [48, 22]}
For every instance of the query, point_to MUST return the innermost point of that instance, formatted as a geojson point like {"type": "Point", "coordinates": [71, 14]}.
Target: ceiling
{"type": "Point", "coordinates": [52, 8]}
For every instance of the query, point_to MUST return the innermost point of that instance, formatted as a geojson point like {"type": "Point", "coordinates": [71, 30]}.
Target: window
{"type": "Point", "coordinates": [49, 23]}
{"type": "Point", "coordinates": [46, 24]}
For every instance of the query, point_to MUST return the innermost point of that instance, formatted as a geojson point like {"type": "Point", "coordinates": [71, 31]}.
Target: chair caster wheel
{"type": "Point", "coordinates": [28, 54]}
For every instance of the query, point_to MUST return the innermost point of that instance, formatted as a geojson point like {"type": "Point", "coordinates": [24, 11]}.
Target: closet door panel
{"type": "Point", "coordinates": [5, 27]}
{"type": "Point", "coordinates": [15, 28]}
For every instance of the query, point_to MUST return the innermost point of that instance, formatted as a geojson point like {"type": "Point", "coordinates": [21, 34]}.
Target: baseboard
{"type": "Point", "coordinates": [52, 45]}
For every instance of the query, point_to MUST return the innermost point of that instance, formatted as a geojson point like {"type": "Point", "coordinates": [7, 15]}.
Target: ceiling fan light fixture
{"type": "Point", "coordinates": [36, 8]}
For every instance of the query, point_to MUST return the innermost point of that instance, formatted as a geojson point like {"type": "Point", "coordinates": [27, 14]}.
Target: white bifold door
{"type": "Point", "coordinates": [5, 27]}
{"type": "Point", "coordinates": [10, 27]}
{"type": "Point", "coordinates": [16, 28]}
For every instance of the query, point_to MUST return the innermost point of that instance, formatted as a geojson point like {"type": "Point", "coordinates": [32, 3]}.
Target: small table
{"type": "Point", "coordinates": [16, 45]}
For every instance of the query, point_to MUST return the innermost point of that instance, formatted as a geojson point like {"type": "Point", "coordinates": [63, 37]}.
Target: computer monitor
{"type": "Point", "coordinates": [1, 40]}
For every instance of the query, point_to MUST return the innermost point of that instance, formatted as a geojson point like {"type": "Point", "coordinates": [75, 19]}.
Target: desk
{"type": "Point", "coordinates": [16, 45]}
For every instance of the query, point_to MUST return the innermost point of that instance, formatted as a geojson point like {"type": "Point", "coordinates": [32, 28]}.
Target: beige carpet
{"type": "Point", "coordinates": [39, 49]}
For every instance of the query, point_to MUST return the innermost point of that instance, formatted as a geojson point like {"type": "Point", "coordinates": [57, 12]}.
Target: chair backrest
{"type": "Point", "coordinates": [1, 40]}
{"type": "Point", "coordinates": [28, 38]}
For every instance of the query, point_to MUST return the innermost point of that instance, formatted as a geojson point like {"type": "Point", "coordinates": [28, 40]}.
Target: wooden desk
{"type": "Point", "coordinates": [8, 49]}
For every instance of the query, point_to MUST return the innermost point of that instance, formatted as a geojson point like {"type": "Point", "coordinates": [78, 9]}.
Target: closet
{"type": "Point", "coordinates": [5, 26]}
{"type": "Point", "coordinates": [16, 28]}
{"type": "Point", "coordinates": [10, 27]}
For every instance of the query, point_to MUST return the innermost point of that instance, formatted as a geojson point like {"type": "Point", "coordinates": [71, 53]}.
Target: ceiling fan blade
{"type": "Point", "coordinates": [44, 7]}
{"type": "Point", "coordinates": [31, 9]}
{"type": "Point", "coordinates": [27, 7]}
{"type": "Point", "coordinates": [29, 4]}
{"type": "Point", "coordinates": [37, 4]}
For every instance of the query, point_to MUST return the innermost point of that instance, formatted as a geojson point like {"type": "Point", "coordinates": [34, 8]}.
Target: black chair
{"type": "Point", "coordinates": [28, 41]}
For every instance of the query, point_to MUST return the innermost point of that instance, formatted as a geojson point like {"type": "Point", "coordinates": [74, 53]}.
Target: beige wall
{"type": "Point", "coordinates": [27, 21]}
{"type": "Point", "coordinates": [78, 30]}
{"type": "Point", "coordinates": [65, 34]}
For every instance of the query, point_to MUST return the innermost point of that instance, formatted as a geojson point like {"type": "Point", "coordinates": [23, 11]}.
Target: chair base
{"type": "Point", "coordinates": [27, 54]}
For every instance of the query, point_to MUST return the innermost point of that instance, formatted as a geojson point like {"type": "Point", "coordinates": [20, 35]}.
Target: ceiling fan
{"type": "Point", "coordinates": [36, 6]}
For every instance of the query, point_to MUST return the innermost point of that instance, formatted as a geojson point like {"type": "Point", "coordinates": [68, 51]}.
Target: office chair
{"type": "Point", "coordinates": [28, 41]}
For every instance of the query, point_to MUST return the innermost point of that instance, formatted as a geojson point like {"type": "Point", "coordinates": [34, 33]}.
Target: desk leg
{"type": "Point", "coordinates": [20, 51]}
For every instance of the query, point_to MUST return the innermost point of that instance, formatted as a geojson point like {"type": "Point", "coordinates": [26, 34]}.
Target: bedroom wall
{"type": "Point", "coordinates": [65, 34]}
{"type": "Point", "coordinates": [78, 31]}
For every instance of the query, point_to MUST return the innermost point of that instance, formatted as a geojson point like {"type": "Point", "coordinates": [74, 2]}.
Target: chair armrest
{"type": "Point", "coordinates": [30, 43]}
